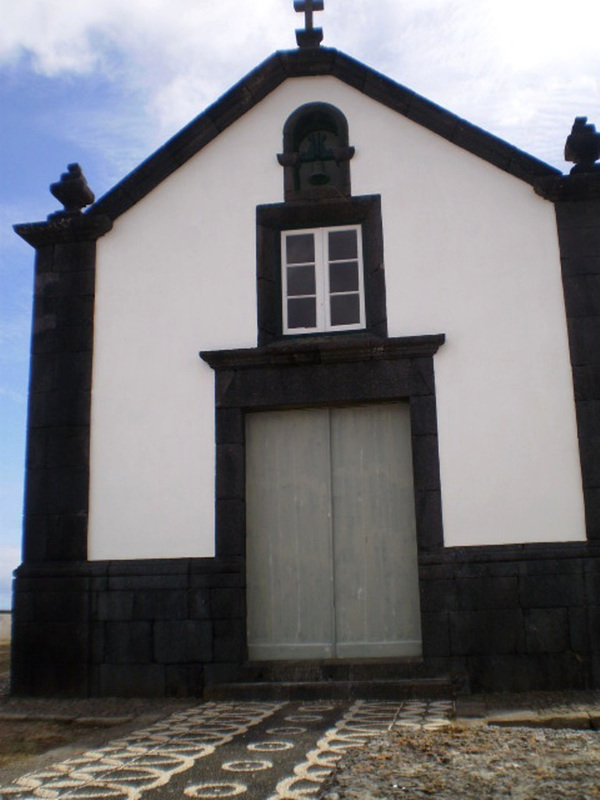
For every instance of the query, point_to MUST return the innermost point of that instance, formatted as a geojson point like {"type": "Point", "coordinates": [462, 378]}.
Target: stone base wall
{"type": "Point", "coordinates": [497, 618]}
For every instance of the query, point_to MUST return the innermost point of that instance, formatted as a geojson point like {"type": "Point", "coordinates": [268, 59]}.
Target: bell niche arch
{"type": "Point", "coordinates": [316, 153]}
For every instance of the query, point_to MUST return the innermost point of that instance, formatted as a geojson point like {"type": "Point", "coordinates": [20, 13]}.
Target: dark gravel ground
{"type": "Point", "coordinates": [471, 763]}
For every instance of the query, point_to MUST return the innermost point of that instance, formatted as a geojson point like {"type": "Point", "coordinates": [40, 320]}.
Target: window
{"type": "Point", "coordinates": [335, 289]}
{"type": "Point", "coordinates": [322, 280]}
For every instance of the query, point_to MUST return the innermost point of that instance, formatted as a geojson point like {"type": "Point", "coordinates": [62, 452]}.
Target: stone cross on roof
{"type": "Point", "coordinates": [310, 36]}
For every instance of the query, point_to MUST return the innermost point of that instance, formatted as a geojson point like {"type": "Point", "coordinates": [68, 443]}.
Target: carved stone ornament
{"type": "Point", "coordinates": [72, 191]}
{"type": "Point", "coordinates": [583, 146]}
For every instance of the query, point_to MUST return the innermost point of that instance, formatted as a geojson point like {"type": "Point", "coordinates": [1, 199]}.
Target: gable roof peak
{"type": "Point", "coordinates": [312, 62]}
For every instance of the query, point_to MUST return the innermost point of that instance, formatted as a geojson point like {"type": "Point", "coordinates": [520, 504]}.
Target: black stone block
{"type": "Point", "coordinates": [56, 491]}
{"type": "Point", "coordinates": [579, 630]}
{"type": "Point", "coordinates": [51, 642]}
{"type": "Point", "coordinates": [152, 172]}
{"type": "Point", "coordinates": [384, 91]}
{"type": "Point", "coordinates": [588, 418]}
{"type": "Point", "coordinates": [43, 373]}
{"type": "Point", "coordinates": [230, 107]}
{"type": "Point", "coordinates": [584, 340]}
{"type": "Point", "coordinates": [423, 415]}
{"type": "Point", "coordinates": [222, 673]}
{"type": "Point", "coordinates": [161, 604]}
{"type": "Point", "coordinates": [44, 259]}
{"type": "Point", "coordinates": [155, 567]}
{"type": "Point", "coordinates": [430, 533]}
{"type": "Point", "coordinates": [193, 138]}
{"type": "Point", "coordinates": [60, 408]}
{"type": "Point", "coordinates": [592, 512]}
{"type": "Point", "coordinates": [230, 527]}
{"type": "Point", "coordinates": [486, 632]}
{"type": "Point", "coordinates": [57, 606]}
{"type": "Point", "coordinates": [74, 256]}
{"type": "Point", "coordinates": [548, 591]}
{"type": "Point", "coordinates": [578, 215]}
{"type": "Point", "coordinates": [184, 680]}
{"type": "Point", "coordinates": [199, 600]}
{"type": "Point", "coordinates": [115, 606]}
{"type": "Point", "coordinates": [435, 631]}
{"type": "Point", "coordinates": [182, 642]}
{"type": "Point", "coordinates": [68, 679]}
{"type": "Point", "coordinates": [582, 295]}
{"type": "Point", "coordinates": [146, 582]}
{"type": "Point", "coordinates": [74, 371]}
{"type": "Point", "coordinates": [434, 118]}
{"type": "Point", "coordinates": [586, 382]}
{"type": "Point", "coordinates": [547, 630]}
{"type": "Point", "coordinates": [487, 593]}
{"type": "Point", "coordinates": [229, 426]}
{"type": "Point", "coordinates": [579, 242]}
{"type": "Point", "coordinates": [230, 471]}
{"type": "Point", "coordinates": [72, 312]}
{"type": "Point", "coordinates": [128, 642]}
{"type": "Point", "coordinates": [438, 596]}
{"type": "Point", "coordinates": [132, 680]}
{"type": "Point", "coordinates": [426, 465]}
{"type": "Point", "coordinates": [67, 447]}
{"type": "Point", "coordinates": [589, 449]}
{"type": "Point", "coordinates": [500, 673]}
{"type": "Point", "coordinates": [227, 603]}
{"type": "Point", "coordinates": [230, 641]}
{"type": "Point", "coordinates": [475, 141]}
{"type": "Point", "coordinates": [65, 284]}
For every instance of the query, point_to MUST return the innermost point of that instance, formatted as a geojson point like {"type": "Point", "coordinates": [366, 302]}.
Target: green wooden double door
{"type": "Point", "coordinates": [331, 544]}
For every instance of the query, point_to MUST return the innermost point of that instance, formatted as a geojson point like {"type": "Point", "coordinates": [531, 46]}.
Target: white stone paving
{"type": "Point", "coordinates": [148, 760]}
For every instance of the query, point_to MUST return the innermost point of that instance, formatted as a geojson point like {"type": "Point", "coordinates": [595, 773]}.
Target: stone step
{"type": "Point", "coordinates": [335, 670]}
{"type": "Point", "coordinates": [424, 688]}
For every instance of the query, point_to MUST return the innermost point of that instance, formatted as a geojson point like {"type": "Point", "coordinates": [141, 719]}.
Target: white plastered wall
{"type": "Point", "coordinates": [470, 252]}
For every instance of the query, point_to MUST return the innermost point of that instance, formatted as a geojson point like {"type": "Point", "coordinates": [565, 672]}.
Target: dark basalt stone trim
{"type": "Point", "coordinates": [305, 63]}
{"type": "Point", "coordinates": [64, 229]}
{"type": "Point", "coordinates": [58, 425]}
{"type": "Point", "coordinates": [510, 553]}
{"type": "Point", "coordinates": [335, 349]}
{"type": "Point", "coordinates": [577, 187]}
{"type": "Point", "coordinates": [274, 218]}
{"type": "Point", "coordinates": [577, 202]}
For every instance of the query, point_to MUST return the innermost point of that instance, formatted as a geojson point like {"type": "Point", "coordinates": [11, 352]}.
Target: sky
{"type": "Point", "coordinates": [105, 82]}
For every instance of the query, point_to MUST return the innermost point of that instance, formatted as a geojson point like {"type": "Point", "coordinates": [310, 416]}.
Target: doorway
{"type": "Point", "coordinates": [331, 543]}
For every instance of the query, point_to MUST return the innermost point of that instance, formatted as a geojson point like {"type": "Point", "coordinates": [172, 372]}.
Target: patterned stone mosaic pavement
{"type": "Point", "coordinates": [252, 750]}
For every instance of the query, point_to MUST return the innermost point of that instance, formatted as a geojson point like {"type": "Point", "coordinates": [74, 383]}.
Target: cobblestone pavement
{"type": "Point", "coordinates": [254, 750]}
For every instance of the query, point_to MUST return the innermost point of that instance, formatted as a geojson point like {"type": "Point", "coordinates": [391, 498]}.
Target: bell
{"type": "Point", "coordinates": [318, 176]}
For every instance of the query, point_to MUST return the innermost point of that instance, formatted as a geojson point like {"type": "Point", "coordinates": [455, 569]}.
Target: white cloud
{"type": "Point", "coordinates": [503, 65]}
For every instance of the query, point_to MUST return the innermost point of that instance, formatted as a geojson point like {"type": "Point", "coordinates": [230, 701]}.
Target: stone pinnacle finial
{"type": "Point", "coordinates": [72, 191]}
{"type": "Point", "coordinates": [583, 146]}
{"type": "Point", "coordinates": [310, 36]}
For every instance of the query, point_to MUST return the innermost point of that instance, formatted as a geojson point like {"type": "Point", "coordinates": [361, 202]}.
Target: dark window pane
{"type": "Point", "coordinates": [300, 248]}
{"type": "Point", "coordinates": [302, 313]}
{"type": "Point", "coordinates": [301, 280]}
{"type": "Point", "coordinates": [343, 276]}
{"type": "Point", "coordinates": [342, 245]}
{"type": "Point", "coordinates": [345, 309]}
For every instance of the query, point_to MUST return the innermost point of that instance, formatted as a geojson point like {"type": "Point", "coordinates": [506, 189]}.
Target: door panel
{"type": "Point", "coordinates": [331, 544]}
{"type": "Point", "coordinates": [375, 553]}
{"type": "Point", "coordinates": [288, 519]}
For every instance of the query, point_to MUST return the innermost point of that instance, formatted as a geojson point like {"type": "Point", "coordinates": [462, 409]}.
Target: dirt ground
{"type": "Point", "coordinates": [21, 739]}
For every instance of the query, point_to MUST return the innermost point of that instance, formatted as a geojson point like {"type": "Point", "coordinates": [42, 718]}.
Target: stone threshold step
{"type": "Point", "coordinates": [425, 688]}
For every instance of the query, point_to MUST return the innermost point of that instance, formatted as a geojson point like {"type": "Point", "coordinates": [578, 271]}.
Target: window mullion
{"type": "Point", "coordinates": [324, 282]}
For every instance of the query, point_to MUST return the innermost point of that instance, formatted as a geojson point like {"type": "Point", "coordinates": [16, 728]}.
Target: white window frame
{"type": "Point", "coordinates": [323, 293]}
